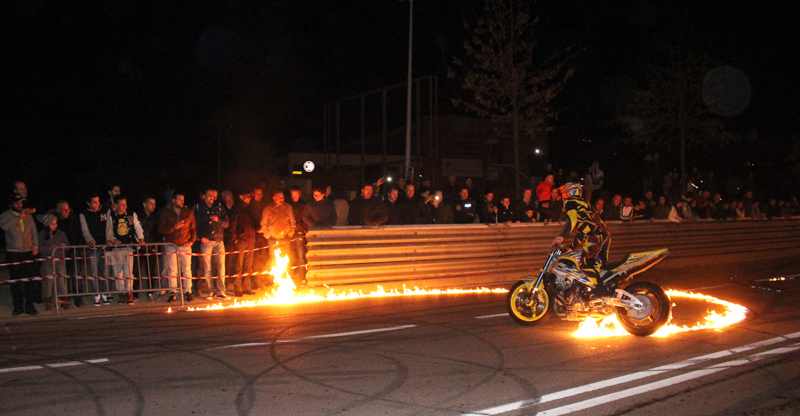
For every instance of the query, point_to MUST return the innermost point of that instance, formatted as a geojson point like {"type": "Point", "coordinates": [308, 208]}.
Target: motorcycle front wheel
{"type": "Point", "coordinates": [527, 311]}
{"type": "Point", "coordinates": [652, 316]}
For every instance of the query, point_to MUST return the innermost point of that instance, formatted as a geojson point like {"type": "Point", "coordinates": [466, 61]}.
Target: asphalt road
{"type": "Point", "coordinates": [433, 355]}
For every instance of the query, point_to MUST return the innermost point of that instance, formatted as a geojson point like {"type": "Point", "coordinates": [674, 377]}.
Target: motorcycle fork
{"type": "Point", "coordinates": [535, 289]}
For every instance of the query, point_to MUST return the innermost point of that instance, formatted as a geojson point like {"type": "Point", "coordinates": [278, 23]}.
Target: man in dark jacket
{"type": "Point", "coordinates": [320, 212]}
{"type": "Point", "coordinates": [391, 206]}
{"type": "Point", "coordinates": [146, 265]}
{"type": "Point", "coordinates": [299, 241]}
{"type": "Point", "coordinates": [364, 207]}
{"type": "Point", "coordinates": [243, 234]}
{"type": "Point", "coordinates": [22, 245]}
{"type": "Point", "coordinates": [70, 224]}
{"type": "Point", "coordinates": [465, 208]}
{"type": "Point", "coordinates": [93, 226]}
{"type": "Point", "coordinates": [212, 220]}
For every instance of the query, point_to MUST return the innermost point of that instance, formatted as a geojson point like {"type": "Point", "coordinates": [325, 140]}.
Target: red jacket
{"type": "Point", "coordinates": [543, 191]}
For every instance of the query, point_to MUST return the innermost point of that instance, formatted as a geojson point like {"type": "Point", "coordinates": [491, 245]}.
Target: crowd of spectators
{"type": "Point", "coordinates": [232, 234]}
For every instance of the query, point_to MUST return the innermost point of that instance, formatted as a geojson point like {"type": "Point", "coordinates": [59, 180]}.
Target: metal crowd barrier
{"type": "Point", "coordinates": [94, 270]}
{"type": "Point", "coordinates": [450, 255]}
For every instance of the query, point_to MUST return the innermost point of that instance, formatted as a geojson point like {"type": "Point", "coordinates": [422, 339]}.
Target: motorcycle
{"type": "Point", "coordinates": [564, 290]}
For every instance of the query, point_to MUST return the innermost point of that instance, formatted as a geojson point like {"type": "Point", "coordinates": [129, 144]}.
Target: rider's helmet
{"type": "Point", "coordinates": [570, 189]}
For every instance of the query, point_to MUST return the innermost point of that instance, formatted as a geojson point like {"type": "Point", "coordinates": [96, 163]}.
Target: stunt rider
{"type": "Point", "coordinates": [592, 235]}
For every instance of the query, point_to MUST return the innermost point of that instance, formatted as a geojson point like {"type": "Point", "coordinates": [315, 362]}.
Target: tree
{"type": "Point", "coordinates": [671, 107]}
{"type": "Point", "coordinates": [509, 77]}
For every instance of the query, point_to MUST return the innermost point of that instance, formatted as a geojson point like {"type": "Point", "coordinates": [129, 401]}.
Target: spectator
{"type": "Point", "coordinates": [559, 178]}
{"type": "Point", "coordinates": [640, 211]}
{"type": "Point", "coordinates": [211, 223]}
{"type": "Point", "coordinates": [705, 206]}
{"type": "Point", "coordinates": [450, 192]}
{"type": "Point", "coordinates": [113, 192]}
{"type": "Point", "coordinates": [666, 183]}
{"type": "Point", "coordinates": [390, 205]}
{"type": "Point", "coordinates": [598, 177]}
{"type": "Point", "coordinates": [70, 224]}
{"type": "Point", "coordinates": [612, 213]}
{"type": "Point", "coordinates": [282, 186]}
{"type": "Point", "coordinates": [146, 264]}
{"type": "Point", "coordinates": [123, 228]}
{"type": "Point", "coordinates": [551, 209]}
{"type": "Point", "coordinates": [544, 188]}
{"type": "Point", "coordinates": [650, 204]}
{"type": "Point", "coordinates": [473, 191]}
{"type": "Point", "coordinates": [662, 210]}
{"type": "Point", "coordinates": [441, 210]}
{"type": "Point", "coordinates": [504, 212]}
{"type": "Point", "coordinates": [53, 270]}
{"type": "Point", "coordinates": [465, 208]}
{"type": "Point", "coordinates": [674, 213]}
{"type": "Point", "coordinates": [261, 255]}
{"type": "Point", "coordinates": [243, 234]}
{"type": "Point", "coordinates": [587, 185]}
{"type": "Point", "coordinates": [648, 172]}
{"type": "Point", "coordinates": [755, 211]}
{"type": "Point", "coordinates": [794, 207]}
{"type": "Point", "coordinates": [741, 213]}
{"type": "Point", "coordinates": [341, 205]}
{"type": "Point", "coordinates": [278, 226]}
{"type": "Point", "coordinates": [22, 244]}
{"type": "Point", "coordinates": [298, 206]}
{"type": "Point", "coordinates": [487, 211]}
{"type": "Point", "coordinates": [748, 202]}
{"type": "Point", "coordinates": [685, 208]}
{"type": "Point", "coordinates": [771, 210]}
{"type": "Point", "coordinates": [365, 208]}
{"type": "Point", "coordinates": [227, 201]}
{"type": "Point", "coordinates": [529, 216]}
{"type": "Point", "coordinates": [93, 225]}
{"type": "Point", "coordinates": [22, 190]}
{"type": "Point", "coordinates": [523, 204]}
{"type": "Point", "coordinates": [177, 224]}
{"type": "Point", "coordinates": [599, 207]}
{"type": "Point", "coordinates": [320, 212]}
{"type": "Point", "coordinates": [411, 207]}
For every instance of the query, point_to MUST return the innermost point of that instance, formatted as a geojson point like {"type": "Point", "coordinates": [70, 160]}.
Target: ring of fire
{"type": "Point", "coordinates": [285, 293]}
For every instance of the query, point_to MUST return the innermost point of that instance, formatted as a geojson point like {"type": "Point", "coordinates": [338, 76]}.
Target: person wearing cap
{"type": "Point", "coordinates": [22, 244]}
{"type": "Point", "coordinates": [53, 270]}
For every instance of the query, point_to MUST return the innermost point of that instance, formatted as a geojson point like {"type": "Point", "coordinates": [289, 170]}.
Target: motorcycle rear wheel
{"type": "Point", "coordinates": [654, 315]}
{"type": "Point", "coordinates": [526, 311]}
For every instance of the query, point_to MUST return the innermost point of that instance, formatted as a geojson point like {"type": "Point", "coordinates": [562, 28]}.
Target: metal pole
{"type": "Point", "coordinates": [419, 128]}
{"type": "Point", "coordinates": [363, 140]}
{"type": "Point", "coordinates": [338, 142]}
{"type": "Point", "coordinates": [383, 121]}
{"type": "Point", "coordinates": [408, 93]}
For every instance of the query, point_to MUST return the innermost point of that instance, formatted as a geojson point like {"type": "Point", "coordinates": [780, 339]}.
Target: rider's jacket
{"type": "Point", "coordinates": [582, 219]}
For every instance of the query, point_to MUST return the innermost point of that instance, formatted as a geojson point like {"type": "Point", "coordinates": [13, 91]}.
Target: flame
{"type": "Point", "coordinates": [609, 326]}
{"type": "Point", "coordinates": [284, 291]}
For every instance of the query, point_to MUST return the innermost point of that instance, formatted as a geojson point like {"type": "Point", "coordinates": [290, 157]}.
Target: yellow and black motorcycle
{"type": "Point", "coordinates": [563, 289]}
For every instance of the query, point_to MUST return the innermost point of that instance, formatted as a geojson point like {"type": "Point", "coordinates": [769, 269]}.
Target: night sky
{"type": "Point", "coordinates": [138, 92]}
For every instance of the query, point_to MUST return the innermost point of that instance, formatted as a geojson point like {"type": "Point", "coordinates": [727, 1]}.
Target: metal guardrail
{"type": "Point", "coordinates": [446, 255]}
{"type": "Point", "coordinates": [89, 270]}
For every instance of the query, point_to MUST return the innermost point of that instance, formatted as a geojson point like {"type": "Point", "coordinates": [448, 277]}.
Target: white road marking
{"type": "Point", "coordinates": [100, 316]}
{"type": "Point", "coordinates": [491, 316]}
{"type": "Point", "coordinates": [54, 365]}
{"type": "Point", "coordinates": [336, 335]}
{"type": "Point", "coordinates": [631, 377]}
{"type": "Point", "coordinates": [626, 394]}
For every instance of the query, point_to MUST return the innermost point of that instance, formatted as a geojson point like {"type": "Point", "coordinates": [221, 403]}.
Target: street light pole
{"type": "Point", "coordinates": [219, 156]}
{"type": "Point", "coordinates": [408, 94]}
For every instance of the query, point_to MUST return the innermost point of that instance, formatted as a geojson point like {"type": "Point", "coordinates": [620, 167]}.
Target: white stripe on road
{"type": "Point", "coordinates": [340, 334]}
{"type": "Point", "coordinates": [100, 316]}
{"type": "Point", "coordinates": [54, 365]}
{"type": "Point", "coordinates": [625, 394]}
{"type": "Point", "coordinates": [491, 316]}
{"type": "Point", "coordinates": [631, 377]}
